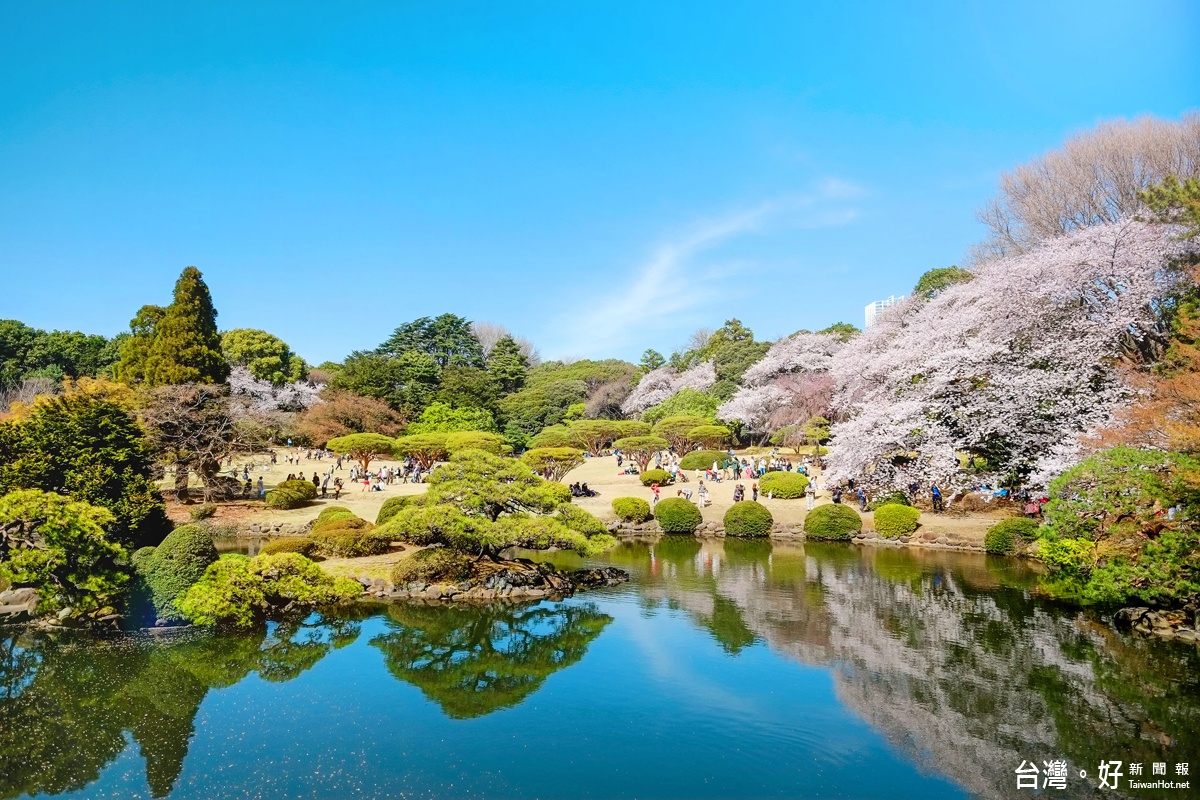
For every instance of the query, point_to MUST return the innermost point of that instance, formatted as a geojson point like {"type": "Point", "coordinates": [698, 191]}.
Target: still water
{"type": "Point", "coordinates": [721, 671]}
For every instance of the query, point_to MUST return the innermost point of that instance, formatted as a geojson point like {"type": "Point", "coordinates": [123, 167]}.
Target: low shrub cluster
{"type": "Point", "coordinates": [203, 512]}
{"type": "Point", "coordinates": [702, 459]}
{"type": "Point", "coordinates": [676, 515]}
{"type": "Point", "coordinates": [171, 568]}
{"type": "Point", "coordinates": [834, 522]}
{"type": "Point", "coordinates": [1006, 536]}
{"type": "Point", "coordinates": [893, 520]}
{"type": "Point", "coordinates": [783, 485]}
{"type": "Point", "coordinates": [292, 544]}
{"type": "Point", "coordinates": [291, 494]}
{"type": "Point", "coordinates": [659, 476]}
{"type": "Point", "coordinates": [748, 518]}
{"type": "Point", "coordinates": [433, 565]}
{"type": "Point", "coordinates": [392, 506]}
{"type": "Point", "coordinates": [240, 591]}
{"type": "Point", "coordinates": [632, 509]}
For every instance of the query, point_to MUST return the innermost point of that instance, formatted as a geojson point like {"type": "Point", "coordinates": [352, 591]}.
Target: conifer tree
{"type": "Point", "coordinates": [179, 344]}
{"type": "Point", "coordinates": [507, 365]}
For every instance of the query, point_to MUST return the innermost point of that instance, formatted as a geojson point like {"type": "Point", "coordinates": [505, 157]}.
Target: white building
{"type": "Point", "coordinates": [873, 309]}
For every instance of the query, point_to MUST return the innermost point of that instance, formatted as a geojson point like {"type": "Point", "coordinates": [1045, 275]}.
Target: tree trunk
{"type": "Point", "coordinates": [181, 481]}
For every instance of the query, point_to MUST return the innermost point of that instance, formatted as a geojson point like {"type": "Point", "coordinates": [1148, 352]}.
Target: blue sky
{"type": "Point", "coordinates": [599, 177]}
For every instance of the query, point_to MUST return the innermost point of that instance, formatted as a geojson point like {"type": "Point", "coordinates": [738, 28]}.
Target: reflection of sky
{"type": "Point", "coordinates": [654, 709]}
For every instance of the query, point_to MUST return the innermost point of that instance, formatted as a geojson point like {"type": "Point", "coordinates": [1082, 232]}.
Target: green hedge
{"type": "Point", "coordinates": [834, 522]}
{"type": "Point", "coordinates": [782, 485]}
{"type": "Point", "coordinates": [894, 520]}
{"type": "Point", "coordinates": [350, 542]}
{"type": "Point", "coordinates": [632, 509]}
{"type": "Point", "coordinates": [702, 459]}
{"type": "Point", "coordinates": [301, 487]}
{"type": "Point", "coordinates": [177, 563]}
{"type": "Point", "coordinates": [293, 544]}
{"type": "Point", "coordinates": [341, 522]}
{"type": "Point", "coordinates": [433, 565]}
{"type": "Point", "coordinates": [676, 515]}
{"type": "Point", "coordinates": [330, 513]}
{"type": "Point", "coordinates": [291, 494]}
{"type": "Point", "coordinates": [1006, 536]}
{"type": "Point", "coordinates": [659, 476]}
{"type": "Point", "coordinates": [748, 518]}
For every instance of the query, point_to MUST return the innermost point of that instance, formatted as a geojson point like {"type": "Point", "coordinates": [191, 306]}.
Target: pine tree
{"type": "Point", "coordinates": [180, 344]}
{"type": "Point", "coordinates": [507, 365]}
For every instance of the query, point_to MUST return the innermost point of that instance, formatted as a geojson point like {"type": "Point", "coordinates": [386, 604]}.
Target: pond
{"type": "Point", "coordinates": [722, 670]}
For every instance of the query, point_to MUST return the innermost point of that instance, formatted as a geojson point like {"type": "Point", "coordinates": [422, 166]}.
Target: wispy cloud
{"type": "Point", "coordinates": [669, 291]}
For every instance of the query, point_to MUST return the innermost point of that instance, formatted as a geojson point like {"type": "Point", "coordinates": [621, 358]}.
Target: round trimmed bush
{"type": "Point", "coordinates": [676, 515]}
{"type": "Point", "coordinates": [285, 499]}
{"type": "Point", "coordinates": [748, 518]}
{"type": "Point", "coordinates": [303, 488]}
{"type": "Point", "coordinates": [140, 557]}
{"type": "Point", "coordinates": [632, 509]}
{"type": "Point", "coordinates": [782, 485]}
{"type": "Point", "coordinates": [702, 459]}
{"type": "Point", "coordinates": [897, 498]}
{"type": "Point", "coordinates": [894, 520]}
{"type": "Point", "coordinates": [659, 476]}
{"type": "Point", "coordinates": [433, 565]}
{"type": "Point", "coordinates": [293, 544]}
{"type": "Point", "coordinates": [351, 543]}
{"type": "Point", "coordinates": [834, 522]}
{"type": "Point", "coordinates": [342, 523]}
{"type": "Point", "coordinates": [392, 506]}
{"type": "Point", "coordinates": [177, 563]}
{"type": "Point", "coordinates": [198, 513]}
{"type": "Point", "coordinates": [1006, 536]}
{"type": "Point", "coordinates": [333, 512]}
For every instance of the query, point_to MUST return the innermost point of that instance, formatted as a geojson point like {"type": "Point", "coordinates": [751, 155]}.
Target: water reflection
{"type": "Point", "coordinates": [67, 703]}
{"type": "Point", "coordinates": [473, 661]}
{"type": "Point", "coordinates": [948, 654]}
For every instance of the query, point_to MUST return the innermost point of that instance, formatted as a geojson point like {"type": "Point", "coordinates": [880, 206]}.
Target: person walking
{"type": "Point", "coordinates": [754, 491]}
{"type": "Point", "coordinates": [654, 488]}
{"type": "Point", "coordinates": [936, 494]}
{"type": "Point", "coordinates": [262, 490]}
{"type": "Point", "coordinates": [810, 494]}
{"type": "Point", "coordinates": [862, 499]}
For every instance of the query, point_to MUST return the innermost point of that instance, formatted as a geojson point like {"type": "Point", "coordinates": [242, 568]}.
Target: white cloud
{"type": "Point", "coordinates": [669, 291]}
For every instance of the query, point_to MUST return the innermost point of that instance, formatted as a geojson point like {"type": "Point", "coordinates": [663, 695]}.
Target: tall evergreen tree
{"type": "Point", "coordinates": [507, 365]}
{"type": "Point", "coordinates": [447, 339]}
{"type": "Point", "coordinates": [178, 344]}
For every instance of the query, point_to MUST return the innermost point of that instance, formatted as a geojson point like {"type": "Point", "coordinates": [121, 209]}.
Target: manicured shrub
{"type": "Point", "coordinates": [896, 498]}
{"type": "Point", "coordinates": [304, 488]}
{"type": "Point", "coordinates": [1006, 536]}
{"type": "Point", "coordinates": [632, 509]}
{"type": "Point", "coordinates": [782, 485]}
{"type": "Point", "coordinates": [140, 557]}
{"type": "Point", "coordinates": [332, 512]}
{"type": "Point", "coordinates": [393, 505]}
{"type": "Point", "coordinates": [240, 591]}
{"type": "Point", "coordinates": [834, 522]}
{"type": "Point", "coordinates": [203, 512]}
{"type": "Point", "coordinates": [286, 499]}
{"type": "Point", "coordinates": [702, 459]}
{"type": "Point", "coordinates": [580, 521]}
{"type": "Point", "coordinates": [351, 542]}
{"type": "Point", "coordinates": [292, 544]}
{"type": "Point", "coordinates": [175, 565]}
{"type": "Point", "coordinates": [659, 476]}
{"type": "Point", "coordinates": [748, 518]}
{"type": "Point", "coordinates": [342, 523]}
{"type": "Point", "coordinates": [893, 520]}
{"type": "Point", "coordinates": [676, 515]}
{"type": "Point", "coordinates": [433, 565]}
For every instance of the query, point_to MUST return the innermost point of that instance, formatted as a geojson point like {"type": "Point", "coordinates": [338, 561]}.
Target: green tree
{"type": "Point", "coordinates": [937, 280]}
{"type": "Point", "coordinates": [30, 352]}
{"type": "Point", "coordinates": [363, 447]}
{"type": "Point", "coordinates": [641, 448]}
{"type": "Point", "coordinates": [266, 356]}
{"type": "Point", "coordinates": [441, 418]}
{"type": "Point", "coordinates": [447, 339]}
{"type": "Point", "coordinates": [91, 449]}
{"type": "Point", "coordinates": [186, 347]}
{"type": "Point", "coordinates": [842, 330]}
{"type": "Point", "coordinates": [60, 547]}
{"type": "Point", "coordinates": [553, 462]}
{"type": "Point", "coordinates": [468, 387]}
{"type": "Point", "coordinates": [593, 435]}
{"type": "Point", "coordinates": [407, 382]}
{"type": "Point", "coordinates": [426, 449]}
{"type": "Point", "coordinates": [676, 430]}
{"type": "Point", "coordinates": [541, 405]}
{"type": "Point", "coordinates": [132, 367]}
{"type": "Point", "coordinates": [689, 402]}
{"type": "Point", "coordinates": [732, 350]}
{"type": "Point", "coordinates": [1176, 202]}
{"type": "Point", "coordinates": [709, 436]}
{"type": "Point", "coordinates": [507, 365]}
{"type": "Point", "coordinates": [651, 360]}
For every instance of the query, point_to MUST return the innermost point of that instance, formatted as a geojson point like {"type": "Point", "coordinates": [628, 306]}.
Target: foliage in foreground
{"type": "Point", "coordinates": [174, 566]}
{"type": "Point", "coordinates": [433, 565]}
{"type": "Point", "coordinates": [239, 591]}
{"type": "Point", "coordinates": [1109, 533]}
{"type": "Point", "coordinates": [59, 546]}
{"type": "Point", "coordinates": [1006, 536]}
{"type": "Point", "coordinates": [748, 518]}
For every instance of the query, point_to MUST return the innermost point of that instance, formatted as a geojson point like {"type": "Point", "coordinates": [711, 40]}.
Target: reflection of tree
{"type": "Point", "coordinates": [472, 661]}
{"type": "Point", "coordinates": [67, 704]}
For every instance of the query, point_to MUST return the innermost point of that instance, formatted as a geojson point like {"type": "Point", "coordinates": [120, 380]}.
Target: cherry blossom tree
{"type": "Point", "coordinates": [1012, 366]}
{"type": "Point", "coordinates": [659, 385]}
{"type": "Point", "coordinates": [263, 395]}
